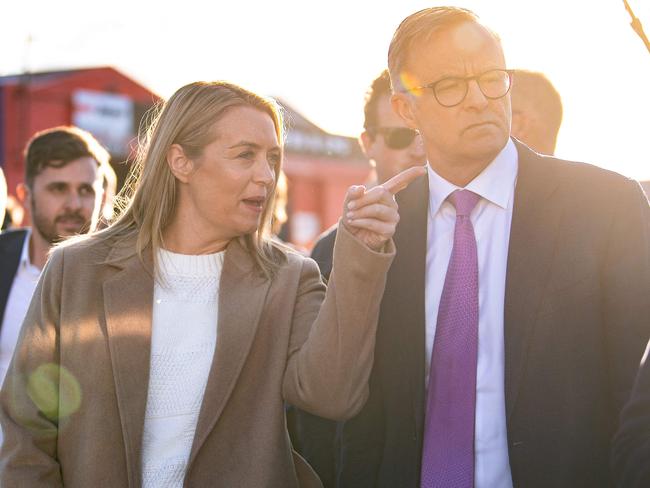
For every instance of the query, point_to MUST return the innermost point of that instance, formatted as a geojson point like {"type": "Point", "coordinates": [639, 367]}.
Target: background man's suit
{"type": "Point", "coordinates": [631, 454]}
{"type": "Point", "coordinates": [576, 321]}
{"type": "Point", "coordinates": [11, 246]}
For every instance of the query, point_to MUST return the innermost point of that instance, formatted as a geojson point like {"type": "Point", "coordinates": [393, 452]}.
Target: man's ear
{"type": "Point", "coordinates": [520, 125]}
{"type": "Point", "coordinates": [402, 105]}
{"type": "Point", "coordinates": [180, 165]}
{"type": "Point", "coordinates": [366, 141]}
{"type": "Point", "coordinates": [23, 194]}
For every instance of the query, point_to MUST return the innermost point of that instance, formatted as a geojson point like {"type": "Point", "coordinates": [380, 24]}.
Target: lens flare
{"type": "Point", "coordinates": [54, 390]}
{"type": "Point", "coordinates": [409, 82]}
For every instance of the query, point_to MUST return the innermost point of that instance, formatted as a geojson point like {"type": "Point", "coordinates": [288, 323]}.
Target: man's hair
{"type": "Point", "coordinates": [379, 88]}
{"type": "Point", "coordinates": [533, 89]}
{"type": "Point", "coordinates": [418, 27]}
{"type": "Point", "coordinates": [58, 146]}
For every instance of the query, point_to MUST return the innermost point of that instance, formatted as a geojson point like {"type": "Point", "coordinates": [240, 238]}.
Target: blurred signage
{"type": "Point", "coordinates": [318, 144]}
{"type": "Point", "coordinates": [107, 116]}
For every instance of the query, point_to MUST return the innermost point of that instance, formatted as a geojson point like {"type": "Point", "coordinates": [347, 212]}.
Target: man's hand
{"type": "Point", "coordinates": [371, 215]}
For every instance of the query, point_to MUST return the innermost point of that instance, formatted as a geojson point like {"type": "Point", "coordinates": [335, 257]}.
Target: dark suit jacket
{"type": "Point", "coordinates": [631, 455]}
{"type": "Point", "coordinates": [323, 251]}
{"type": "Point", "coordinates": [576, 320]}
{"type": "Point", "coordinates": [316, 438]}
{"type": "Point", "coordinates": [11, 245]}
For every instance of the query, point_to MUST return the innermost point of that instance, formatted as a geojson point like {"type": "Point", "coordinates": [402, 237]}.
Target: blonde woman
{"type": "Point", "coordinates": [160, 351]}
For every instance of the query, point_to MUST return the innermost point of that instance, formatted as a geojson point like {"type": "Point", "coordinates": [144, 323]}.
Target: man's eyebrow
{"type": "Point", "coordinates": [57, 183]}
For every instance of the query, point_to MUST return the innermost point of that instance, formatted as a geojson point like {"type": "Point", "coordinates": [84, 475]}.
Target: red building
{"type": "Point", "coordinates": [319, 166]}
{"type": "Point", "coordinates": [103, 101]}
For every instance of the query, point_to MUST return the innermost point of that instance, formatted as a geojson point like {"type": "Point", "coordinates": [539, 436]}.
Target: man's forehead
{"type": "Point", "coordinates": [467, 39]}
{"type": "Point", "coordinates": [459, 49]}
{"type": "Point", "coordinates": [81, 170]}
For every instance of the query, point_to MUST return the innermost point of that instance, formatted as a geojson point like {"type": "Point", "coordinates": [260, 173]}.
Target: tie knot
{"type": "Point", "coordinates": [463, 201]}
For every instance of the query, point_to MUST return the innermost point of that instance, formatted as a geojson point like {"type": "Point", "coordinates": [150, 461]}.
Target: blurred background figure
{"type": "Point", "coordinates": [3, 196]}
{"type": "Point", "coordinates": [391, 148]}
{"type": "Point", "coordinates": [536, 111]}
{"type": "Point", "coordinates": [62, 192]}
{"type": "Point", "coordinates": [631, 451]}
{"type": "Point", "coordinates": [389, 144]}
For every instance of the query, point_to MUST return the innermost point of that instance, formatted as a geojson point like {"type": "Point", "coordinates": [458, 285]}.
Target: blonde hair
{"type": "Point", "coordinates": [147, 201]}
{"type": "Point", "coordinates": [418, 27]}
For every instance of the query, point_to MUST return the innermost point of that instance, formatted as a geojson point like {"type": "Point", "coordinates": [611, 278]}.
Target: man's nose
{"type": "Point", "coordinates": [475, 97]}
{"type": "Point", "coordinates": [73, 200]}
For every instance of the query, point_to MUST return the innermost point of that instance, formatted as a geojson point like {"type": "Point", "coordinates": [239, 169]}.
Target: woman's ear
{"type": "Point", "coordinates": [180, 165]}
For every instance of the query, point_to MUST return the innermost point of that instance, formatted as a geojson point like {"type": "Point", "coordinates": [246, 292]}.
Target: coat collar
{"type": "Point", "coordinates": [128, 302]}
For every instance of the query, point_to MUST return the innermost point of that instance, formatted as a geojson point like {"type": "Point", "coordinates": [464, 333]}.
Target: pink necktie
{"type": "Point", "coordinates": [448, 451]}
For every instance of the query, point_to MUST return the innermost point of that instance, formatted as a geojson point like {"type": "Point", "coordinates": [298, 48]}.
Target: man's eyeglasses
{"type": "Point", "coordinates": [394, 137]}
{"type": "Point", "coordinates": [451, 91]}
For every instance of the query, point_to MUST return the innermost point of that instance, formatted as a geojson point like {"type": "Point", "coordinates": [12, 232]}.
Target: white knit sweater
{"type": "Point", "coordinates": [183, 339]}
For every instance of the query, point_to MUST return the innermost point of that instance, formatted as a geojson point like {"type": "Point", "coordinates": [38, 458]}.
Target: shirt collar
{"type": "Point", "coordinates": [496, 183]}
{"type": "Point", "coordinates": [24, 254]}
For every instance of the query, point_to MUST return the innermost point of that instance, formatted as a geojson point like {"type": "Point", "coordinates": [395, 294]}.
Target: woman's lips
{"type": "Point", "coordinates": [255, 203]}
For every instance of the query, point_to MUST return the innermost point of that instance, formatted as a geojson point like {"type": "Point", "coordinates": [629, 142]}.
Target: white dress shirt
{"type": "Point", "coordinates": [491, 219]}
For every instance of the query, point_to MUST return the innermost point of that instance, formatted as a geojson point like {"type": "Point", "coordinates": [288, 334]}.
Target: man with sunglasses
{"type": "Point", "coordinates": [516, 310]}
{"type": "Point", "coordinates": [391, 147]}
{"type": "Point", "coordinates": [388, 143]}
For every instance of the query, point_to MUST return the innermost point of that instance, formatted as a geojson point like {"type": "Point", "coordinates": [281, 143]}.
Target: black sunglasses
{"type": "Point", "coordinates": [394, 137]}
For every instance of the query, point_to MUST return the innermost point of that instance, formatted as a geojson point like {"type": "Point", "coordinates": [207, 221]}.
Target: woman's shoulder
{"type": "Point", "coordinates": [83, 249]}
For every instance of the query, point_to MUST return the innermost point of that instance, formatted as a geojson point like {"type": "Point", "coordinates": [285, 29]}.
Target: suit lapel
{"type": "Point", "coordinates": [533, 239]}
{"type": "Point", "coordinates": [242, 294]}
{"type": "Point", "coordinates": [11, 245]}
{"type": "Point", "coordinates": [128, 302]}
{"type": "Point", "coordinates": [404, 303]}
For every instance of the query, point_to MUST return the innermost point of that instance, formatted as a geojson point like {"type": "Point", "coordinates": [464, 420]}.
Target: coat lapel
{"type": "Point", "coordinates": [128, 302]}
{"type": "Point", "coordinates": [533, 240]}
{"type": "Point", "coordinates": [242, 294]}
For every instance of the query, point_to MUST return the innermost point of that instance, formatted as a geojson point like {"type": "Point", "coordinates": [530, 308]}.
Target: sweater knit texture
{"type": "Point", "coordinates": [183, 340]}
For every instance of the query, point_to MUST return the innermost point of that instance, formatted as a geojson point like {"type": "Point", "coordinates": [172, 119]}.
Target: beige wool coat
{"type": "Point", "coordinates": [73, 403]}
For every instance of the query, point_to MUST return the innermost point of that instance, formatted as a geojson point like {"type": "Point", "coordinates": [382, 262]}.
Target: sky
{"type": "Point", "coordinates": [320, 56]}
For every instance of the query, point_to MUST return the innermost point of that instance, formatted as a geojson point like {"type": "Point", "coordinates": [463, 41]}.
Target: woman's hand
{"type": "Point", "coordinates": [371, 215]}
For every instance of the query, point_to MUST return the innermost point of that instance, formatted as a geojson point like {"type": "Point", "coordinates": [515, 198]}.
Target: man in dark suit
{"type": "Point", "coordinates": [62, 192]}
{"type": "Point", "coordinates": [517, 307]}
{"type": "Point", "coordinates": [631, 454]}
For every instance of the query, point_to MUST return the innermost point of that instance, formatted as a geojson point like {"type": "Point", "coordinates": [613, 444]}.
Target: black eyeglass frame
{"type": "Point", "coordinates": [388, 133]}
{"type": "Point", "coordinates": [466, 79]}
